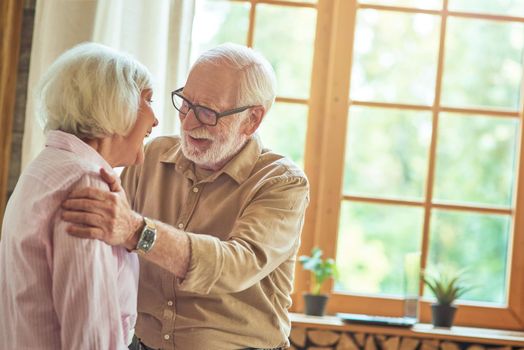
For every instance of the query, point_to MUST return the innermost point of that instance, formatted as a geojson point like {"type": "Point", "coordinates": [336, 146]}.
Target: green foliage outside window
{"type": "Point", "coordinates": [386, 154]}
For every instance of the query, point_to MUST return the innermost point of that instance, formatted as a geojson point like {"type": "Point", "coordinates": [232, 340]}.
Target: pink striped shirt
{"type": "Point", "coordinates": [58, 291]}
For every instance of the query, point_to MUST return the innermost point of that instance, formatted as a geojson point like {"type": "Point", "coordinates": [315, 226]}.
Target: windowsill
{"type": "Point", "coordinates": [420, 330]}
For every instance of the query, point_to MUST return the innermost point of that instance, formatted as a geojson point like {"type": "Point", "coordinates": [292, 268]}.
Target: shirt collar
{"type": "Point", "coordinates": [241, 166]}
{"type": "Point", "coordinates": [69, 142]}
{"type": "Point", "coordinates": [238, 168]}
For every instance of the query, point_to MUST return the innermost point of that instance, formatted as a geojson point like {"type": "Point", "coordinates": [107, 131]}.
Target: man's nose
{"type": "Point", "coordinates": [191, 122]}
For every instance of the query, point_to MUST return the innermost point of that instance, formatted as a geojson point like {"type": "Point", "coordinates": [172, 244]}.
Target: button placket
{"type": "Point", "coordinates": [169, 311]}
{"type": "Point", "coordinates": [189, 207]}
{"type": "Point", "coordinates": [194, 197]}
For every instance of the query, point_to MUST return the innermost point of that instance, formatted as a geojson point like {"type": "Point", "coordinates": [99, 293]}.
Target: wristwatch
{"type": "Point", "coordinates": [147, 236]}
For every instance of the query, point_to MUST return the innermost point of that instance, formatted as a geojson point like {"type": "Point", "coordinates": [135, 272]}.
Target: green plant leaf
{"type": "Point", "coordinates": [446, 287]}
{"type": "Point", "coordinates": [321, 270]}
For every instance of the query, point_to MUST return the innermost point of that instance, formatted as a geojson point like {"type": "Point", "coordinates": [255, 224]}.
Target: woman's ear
{"type": "Point", "coordinates": [256, 114]}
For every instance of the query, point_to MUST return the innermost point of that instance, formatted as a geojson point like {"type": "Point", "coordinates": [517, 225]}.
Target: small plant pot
{"type": "Point", "coordinates": [315, 304]}
{"type": "Point", "coordinates": [442, 315]}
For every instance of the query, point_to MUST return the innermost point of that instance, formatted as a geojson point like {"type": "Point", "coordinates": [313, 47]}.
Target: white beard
{"type": "Point", "coordinates": [223, 145]}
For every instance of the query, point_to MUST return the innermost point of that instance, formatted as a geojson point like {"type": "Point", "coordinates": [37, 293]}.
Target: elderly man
{"type": "Point", "coordinates": [215, 217]}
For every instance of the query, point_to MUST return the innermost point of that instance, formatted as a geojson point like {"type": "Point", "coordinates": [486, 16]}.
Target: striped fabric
{"type": "Point", "coordinates": [58, 291]}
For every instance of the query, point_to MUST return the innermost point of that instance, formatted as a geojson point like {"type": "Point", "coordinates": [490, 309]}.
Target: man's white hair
{"type": "Point", "coordinates": [92, 91]}
{"type": "Point", "coordinates": [257, 85]}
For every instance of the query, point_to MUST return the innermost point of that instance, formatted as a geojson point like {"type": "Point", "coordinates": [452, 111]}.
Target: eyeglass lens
{"type": "Point", "coordinates": [203, 114]}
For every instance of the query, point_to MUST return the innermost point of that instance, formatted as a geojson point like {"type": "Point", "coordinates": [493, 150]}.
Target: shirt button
{"type": "Point", "coordinates": [195, 189]}
{"type": "Point", "coordinates": [170, 303]}
{"type": "Point", "coordinates": [180, 226]}
{"type": "Point", "coordinates": [166, 336]}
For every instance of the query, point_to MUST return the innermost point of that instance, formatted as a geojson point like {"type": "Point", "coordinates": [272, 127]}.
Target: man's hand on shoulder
{"type": "Point", "coordinates": [99, 214]}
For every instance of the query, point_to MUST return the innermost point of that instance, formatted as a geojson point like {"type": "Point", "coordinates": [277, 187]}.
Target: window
{"type": "Point", "coordinates": [424, 153]}
{"type": "Point", "coordinates": [406, 116]}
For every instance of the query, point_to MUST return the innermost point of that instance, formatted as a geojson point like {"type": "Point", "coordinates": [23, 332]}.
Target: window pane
{"type": "Point", "coordinates": [476, 243]}
{"type": "Point", "coordinates": [286, 36]}
{"type": "Point", "coordinates": [476, 159]}
{"type": "Point", "coordinates": [387, 152]}
{"type": "Point", "coordinates": [395, 65]}
{"type": "Point", "coordinates": [483, 63]}
{"type": "Point", "coordinates": [217, 22]}
{"type": "Point", "coordinates": [283, 122]}
{"type": "Point", "coordinates": [373, 241]}
{"type": "Point", "coordinates": [502, 7]}
{"type": "Point", "coordinates": [426, 4]}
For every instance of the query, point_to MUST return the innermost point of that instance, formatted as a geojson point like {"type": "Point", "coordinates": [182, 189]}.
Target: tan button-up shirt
{"type": "Point", "coordinates": [244, 225]}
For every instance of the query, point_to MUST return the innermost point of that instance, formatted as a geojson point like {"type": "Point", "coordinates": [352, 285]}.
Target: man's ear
{"type": "Point", "coordinates": [256, 114]}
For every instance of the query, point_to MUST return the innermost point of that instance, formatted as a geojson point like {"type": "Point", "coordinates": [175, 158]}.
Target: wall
{"type": "Point", "coordinates": [21, 94]}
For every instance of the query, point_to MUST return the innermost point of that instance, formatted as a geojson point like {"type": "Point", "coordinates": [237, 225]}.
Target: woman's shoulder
{"type": "Point", "coordinates": [60, 169]}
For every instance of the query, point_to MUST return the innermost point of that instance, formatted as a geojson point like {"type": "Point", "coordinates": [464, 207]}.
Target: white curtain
{"type": "Point", "coordinates": [156, 32]}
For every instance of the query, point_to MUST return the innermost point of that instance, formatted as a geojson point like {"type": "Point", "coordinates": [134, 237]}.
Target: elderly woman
{"type": "Point", "coordinates": [57, 291]}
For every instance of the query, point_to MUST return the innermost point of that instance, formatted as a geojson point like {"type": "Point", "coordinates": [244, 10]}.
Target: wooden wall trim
{"type": "Point", "coordinates": [335, 128]}
{"type": "Point", "coordinates": [516, 258]}
{"type": "Point", "coordinates": [11, 12]}
{"type": "Point", "coordinates": [315, 127]}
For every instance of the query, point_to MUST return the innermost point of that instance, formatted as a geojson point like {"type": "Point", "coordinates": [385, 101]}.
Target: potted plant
{"type": "Point", "coordinates": [447, 287]}
{"type": "Point", "coordinates": [321, 271]}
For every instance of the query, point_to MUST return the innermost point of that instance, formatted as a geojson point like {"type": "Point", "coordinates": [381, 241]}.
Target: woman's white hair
{"type": "Point", "coordinates": [257, 85]}
{"type": "Point", "coordinates": [92, 91]}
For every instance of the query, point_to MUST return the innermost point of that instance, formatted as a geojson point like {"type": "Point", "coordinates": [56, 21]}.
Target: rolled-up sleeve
{"type": "Point", "coordinates": [266, 234]}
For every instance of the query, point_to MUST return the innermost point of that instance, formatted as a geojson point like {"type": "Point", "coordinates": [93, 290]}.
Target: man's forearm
{"type": "Point", "coordinates": [171, 250]}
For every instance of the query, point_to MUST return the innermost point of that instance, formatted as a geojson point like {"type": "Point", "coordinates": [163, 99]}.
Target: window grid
{"type": "Point", "coordinates": [436, 109]}
{"type": "Point", "coordinates": [440, 109]}
{"type": "Point", "coordinates": [434, 204]}
{"type": "Point", "coordinates": [444, 12]}
{"type": "Point", "coordinates": [279, 2]}
{"type": "Point", "coordinates": [322, 230]}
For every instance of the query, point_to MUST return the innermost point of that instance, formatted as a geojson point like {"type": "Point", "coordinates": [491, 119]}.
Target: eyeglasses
{"type": "Point", "coordinates": [205, 115]}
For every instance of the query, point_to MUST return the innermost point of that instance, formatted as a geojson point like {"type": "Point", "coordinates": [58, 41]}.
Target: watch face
{"type": "Point", "coordinates": [147, 239]}
{"type": "Point", "coordinates": [145, 245]}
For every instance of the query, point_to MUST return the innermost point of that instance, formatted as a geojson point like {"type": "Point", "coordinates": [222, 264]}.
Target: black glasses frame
{"type": "Point", "coordinates": [197, 107]}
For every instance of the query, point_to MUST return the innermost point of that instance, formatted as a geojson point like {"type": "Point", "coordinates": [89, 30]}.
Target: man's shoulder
{"type": "Point", "coordinates": [279, 165]}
